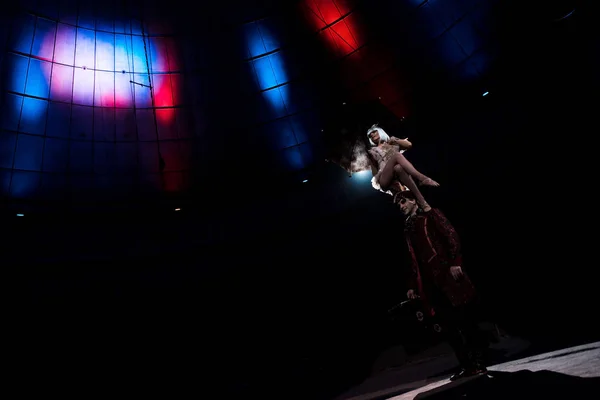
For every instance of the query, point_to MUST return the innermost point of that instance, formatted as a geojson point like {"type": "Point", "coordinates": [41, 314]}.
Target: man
{"type": "Point", "coordinates": [436, 277]}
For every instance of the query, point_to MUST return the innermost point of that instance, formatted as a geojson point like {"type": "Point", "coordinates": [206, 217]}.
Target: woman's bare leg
{"type": "Point", "coordinates": [394, 168]}
{"type": "Point", "coordinates": [412, 171]}
{"type": "Point", "coordinates": [408, 180]}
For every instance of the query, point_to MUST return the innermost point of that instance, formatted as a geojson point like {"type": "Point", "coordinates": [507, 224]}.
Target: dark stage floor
{"type": "Point", "coordinates": [549, 375]}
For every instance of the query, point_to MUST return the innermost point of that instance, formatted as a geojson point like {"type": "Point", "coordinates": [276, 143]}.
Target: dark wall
{"type": "Point", "coordinates": [247, 290]}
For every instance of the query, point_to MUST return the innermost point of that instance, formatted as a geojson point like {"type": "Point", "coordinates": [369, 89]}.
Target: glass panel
{"type": "Point", "coordinates": [28, 155]}
{"type": "Point", "coordinates": [43, 43]}
{"type": "Point", "coordinates": [62, 83]}
{"type": "Point", "coordinates": [123, 53]}
{"type": "Point", "coordinates": [83, 87]}
{"type": "Point", "coordinates": [21, 36]}
{"type": "Point", "coordinates": [59, 120]}
{"type": "Point", "coordinates": [56, 155]}
{"type": "Point", "coordinates": [85, 48]}
{"type": "Point", "coordinates": [104, 124]}
{"type": "Point", "coordinates": [8, 140]}
{"type": "Point", "coordinates": [80, 157]}
{"type": "Point", "coordinates": [139, 54]}
{"type": "Point", "coordinates": [17, 67]}
{"type": "Point", "coordinates": [64, 52]}
{"type": "Point", "coordinates": [141, 89]}
{"type": "Point", "coordinates": [81, 122]}
{"type": "Point", "coordinates": [105, 51]}
{"type": "Point", "coordinates": [38, 78]}
{"type": "Point", "coordinates": [146, 127]}
{"type": "Point", "coordinates": [33, 118]}
{"type": "Point", "coordinates": [123, 90]}
{"type": "Point", "coordinates": [125, 122]}
{"type": "Point", "coordinates": [104, 93]}
{"type": "Point", "coordinates": [162, 90]}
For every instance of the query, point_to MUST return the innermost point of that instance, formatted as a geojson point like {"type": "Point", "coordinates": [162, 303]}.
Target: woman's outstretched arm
{"type": "Point", "coordinates": [404, 144]}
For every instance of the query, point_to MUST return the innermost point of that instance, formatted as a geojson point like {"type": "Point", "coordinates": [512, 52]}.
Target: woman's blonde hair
{"type": "Point", "coordinates": [382, 135]}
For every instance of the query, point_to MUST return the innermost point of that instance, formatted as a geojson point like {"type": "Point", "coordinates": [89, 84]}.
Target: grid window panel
{"type": "Point", "coordinates": [306, 126]}
{"type": "Point", "coordinates": [24, 184]}
{"type": "Point", "coordinates": [83, 87]}
{"type": "Point", "coordinates": [311, 13]}
{"type": "Point", "coordinates": [126, 157]}
{"type": "Point", "coordinates": [302, 96]}
{"type": "Point", "coordinates": [104, 89]}
{"type": "Point", "coordinates": [21, 38]}
{"type": "Point", "coordinates": [59, 120]}
{"type": "Point", "coordinates": [68, 11]}
{"type": "Point", "coordinates": [278, 65]}
{"type": "Point", "coordinates": [255, 44]}
{"type": "Point", "coordinates": [82, 119]}
{"type": "Point", "coordinates": [177, 86]}
{"type": "Point", "coordinates": [56, 155]}
{"type": "Point", "coordinates": [105, 51]}
{"type": "Point", "coordinates": [33, 119]}
{"type": "Point", "coordinates": [105, 16]}
{"type": "Point", "coordinates": [43, 42]}
{"type": "Point", "coordinates": [37, 78]}
{"type": "Point", "coordinates": [157, 50]}
{"type": "Point", "coordinates": [173, 55]}
{"type": "Point", "coordinates": [64, 51]}
{"type": "Point", "coordinates": [49, 9]}
{"type": "Point", "coordinates": [135, 27]}
{"type": "Point", "coordinates": [184, 123]}
{"type": "Point", "coordinates": [279, 134]}
{"type": "Point", "coordinates": [85, 48]}
{"type": "Point", "coordinates": [122, 25]}
{"type": "Point", "coordinates": [446, 51]}
{"type": "Point", "coordinates": [8, 140]}
{"type": "Point", "coordinates": [125, 121]}
{"type": "Point", "coordinates": [273, 105]}
{"type": "Point", "coordinates": [265, 73]}
{"type": "Point", "coordinates": [123, 53]}
{"type": "Point", "coordinates": [466, 34]}
{"type": "Point", "coordinates": [80, 114]}
{"type": "Point", "coordinates": [167, 126]}
{"type": "Point", "coordinates": [29, 152]}
{"type": "Point", "coordinates": [85, 17]}
{"type": "Point", "coordinates": [270, 34]}
{"type": "Point", "coordinates": [358, 29]}
{"type": "Point", "coordinates": [169, 151]}
{"type": "Point", "coordinates": [104, 157]}
{"type": "Point", "coordinates": [80, 157]}
{"type": "Point", "coordinates": [17, 67]}
{"type": "Point", "coordinates": [186, 154]}
{"type": "Point", "coordinates": [290, 159]}
{"type": "Point", "coordinates": [146, 127]}
{"type": "Point", "coordinates": [138, 44]}
{"type": "Point", "coordinates": [141, 91]}
{"type": "Point", "coordinates": [148, 156]}
{"type": "Point", "coordinates": [123, 90]}
{"type": "Point", "coordinates": [104, 124]}
{"type": "Point", "coordinates": [11, 111]}
{"type": "Point", "coordinates": [62, 83]}
{"type": "Point", "coordinates": [163, 95]}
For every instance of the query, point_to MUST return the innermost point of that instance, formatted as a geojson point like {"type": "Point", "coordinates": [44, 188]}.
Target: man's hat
{"type": "Point", "coordinates": [405, 194]}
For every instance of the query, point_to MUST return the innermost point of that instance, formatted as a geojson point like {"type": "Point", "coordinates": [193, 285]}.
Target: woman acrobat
{"type": "Point", "coordinates": [391, 168]}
